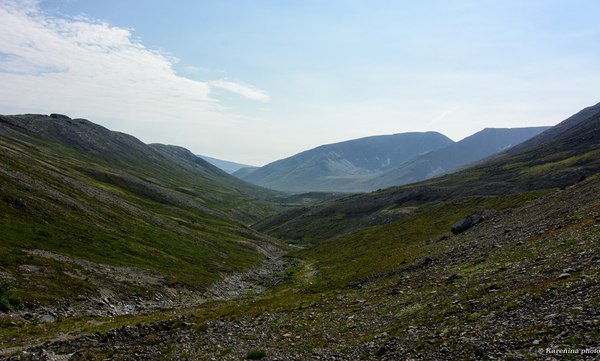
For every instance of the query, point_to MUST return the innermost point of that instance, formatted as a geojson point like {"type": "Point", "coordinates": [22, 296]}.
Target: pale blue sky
{"type": "Point", "coordinates": [256, 81]}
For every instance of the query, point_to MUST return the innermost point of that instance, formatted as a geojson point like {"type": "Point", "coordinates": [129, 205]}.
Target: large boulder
{"type": "Point", "coordinates": [471, 221]}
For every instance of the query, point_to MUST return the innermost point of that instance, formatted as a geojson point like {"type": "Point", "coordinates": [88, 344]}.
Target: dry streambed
{"type": "Point", "coordinates": [133, 291]}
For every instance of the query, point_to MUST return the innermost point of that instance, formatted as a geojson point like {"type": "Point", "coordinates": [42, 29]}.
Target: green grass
{"type": "Point", "coordinates": [162, 214]}
{"type": "Point", "coordinates": [8, 299]}
{"type": "Point", "coordinates": [445, 310]}
{"type": "Point", "coordinates": [561, 163]}
{"type": "Point", "coordinates": [410, 310]}
{"type": "Point", "coordinates": [257, 354]}
{"type": "Point", "coordinates": [386, 248]}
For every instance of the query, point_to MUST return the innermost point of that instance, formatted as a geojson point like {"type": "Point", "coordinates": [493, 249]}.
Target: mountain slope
{"type": "Point", "coordinates": [244, 172]}
{"type": "Point", "coordinates": [522, 284]}
{"type": "Point", "coordinates": [471, 149]}
{"type": "Point", "coordinates": [568, 157]}
{"type": "Point", "coordinates": [225, 165]}
{"type": "Point", "coordinates": [336, 167]}
{"type": "Point", "coordinates": [72, 188]}
{"type": "Point", "coordinates": [550, 134]}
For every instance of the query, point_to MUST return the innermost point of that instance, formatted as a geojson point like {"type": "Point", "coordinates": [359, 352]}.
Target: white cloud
{"type": "Point", "coordinates": [247, 91]}
{"type": "Point", "coordinates": [84, 67]}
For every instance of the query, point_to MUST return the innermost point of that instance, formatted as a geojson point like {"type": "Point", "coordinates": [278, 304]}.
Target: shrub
{"type": "Point", "coordinates": [7, 299]}
{"type": "Point", "coordinates": [256, 354]}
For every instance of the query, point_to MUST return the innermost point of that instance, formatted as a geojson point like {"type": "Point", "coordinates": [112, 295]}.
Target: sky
{"type": "Point", "coordinates": [254, 81]}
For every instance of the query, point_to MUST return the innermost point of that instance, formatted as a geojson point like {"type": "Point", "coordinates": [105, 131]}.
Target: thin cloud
{"type": "Point", "coordinates": [88, 67]}
{"type": "Point", "coordinates": [246, 91]}
{"type": "Point", "coordinates": [190, 69]}
{"type": "Point", "coordinates": [443, 115]}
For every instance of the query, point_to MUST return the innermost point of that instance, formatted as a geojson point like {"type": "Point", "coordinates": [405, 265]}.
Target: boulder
{"type": "Point", "coordinates": [471, 221]}
{"type": "Point", "coordinates": [47, 318]}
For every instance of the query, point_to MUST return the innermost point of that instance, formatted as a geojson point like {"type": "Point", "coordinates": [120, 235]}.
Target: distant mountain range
{"type": "Point", "coordinates": [370, 163]}
{"type": "Point", "coordinates": [227, 166]}
{"type": "Point", "coordinates": [556, 158]}
{"type": "Point", "coordinates": [333, 167]}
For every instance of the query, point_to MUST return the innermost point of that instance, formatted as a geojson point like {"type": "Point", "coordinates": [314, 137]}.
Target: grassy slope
{"type": "Point", "coordinates": [568, 158]}
{"type": "Point", "coordinates": [485, 291]}
{"type": "Point", "coordinates": [494, 289]}
{"type": "Point", "coordinates": [385, 248]}
{"type": "Point", "coordinates": [498, 283]}
{"type": "Point", "coordinates": [150, 209]}
{"type": "Point", "coordinates": [353, 238]}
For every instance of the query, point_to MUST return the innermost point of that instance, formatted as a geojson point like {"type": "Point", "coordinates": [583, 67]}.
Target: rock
{"type": "Point", "coordinates": [27, 316]}
{"type": "Point", "coordinates": [20, 203]}
{"type": "Point", "coordinates": [394, 292]}
{"type": "Point", "coordinates": [47, 318]}
{"type": "Point", "coordinates": [479, 352]}
{"type": "Point", "coordinates": [427, 261]}
{"type": "Point", "coordinates": [452, 278]}
{"type": "Point", "coordinates": [564, 275]}
{"type": "Point", "coordinates": [471, 221]}
{"type": "Point", "coordinates": [58, 116]}
{"type": "Point", "coordinates": [382, 351]}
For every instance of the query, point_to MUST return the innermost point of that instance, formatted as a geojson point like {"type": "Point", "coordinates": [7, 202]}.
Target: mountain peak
{"type": "Point", "coordinates": [337, 166]}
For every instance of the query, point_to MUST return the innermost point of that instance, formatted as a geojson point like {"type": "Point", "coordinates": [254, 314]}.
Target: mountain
{"type": "Point", "coordinates": [571, 154]}
{"type": "Point", "coordinates": [227, 166]}
{"type": "Point", "coordinates": [384, 275]}
{"type": "Point", "coordinates": [336, 167]}
{"type": "Point", "coordinates": [379, 162]}
{"type": "Point", "coordinates": [471, 149]}
{"type": "Point", "coordinates": [77, 199]}
{"type": "Point", "coordinates": [552, 133]}
{"type": "Point", "coordinates": [244, 172]}
{"type": "Point", "coordinates": [379, 276]}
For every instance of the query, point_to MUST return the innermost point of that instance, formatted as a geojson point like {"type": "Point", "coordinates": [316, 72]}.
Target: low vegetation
{"type": "Point", "coordinates": [368, 276]}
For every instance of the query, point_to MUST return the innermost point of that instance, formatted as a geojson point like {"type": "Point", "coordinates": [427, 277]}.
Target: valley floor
{"type": "Point", "coordinates": [524, 284]}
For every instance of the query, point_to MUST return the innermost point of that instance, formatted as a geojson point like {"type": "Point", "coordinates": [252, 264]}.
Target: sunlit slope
{"type": "Point", "coordinates": [75, 188]}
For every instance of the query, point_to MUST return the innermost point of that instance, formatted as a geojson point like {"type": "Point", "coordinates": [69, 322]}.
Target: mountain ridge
{"type": "Point", "coordinates": [325, 167]}
{"type": "Point", "coordinates": [77, 198]}
{"type": "Point", "coordinates": [225, 165]}
{"type": "Point", "coordinates": [473, 148]}
{"type": "Point", "coordinates": [568, 157]}
{"type": "Point", "coordinates": [363, 271]}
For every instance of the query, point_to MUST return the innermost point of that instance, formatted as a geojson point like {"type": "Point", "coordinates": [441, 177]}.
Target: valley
{"type": "Point", "coordinates": [115, 249]}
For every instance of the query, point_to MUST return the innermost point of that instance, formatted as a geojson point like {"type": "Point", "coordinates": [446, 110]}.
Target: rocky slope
{"type": "Point", "coordinates": [386, 276]}
{"type": "Point", "coordinates": [522, 284]}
